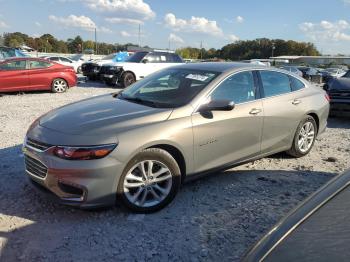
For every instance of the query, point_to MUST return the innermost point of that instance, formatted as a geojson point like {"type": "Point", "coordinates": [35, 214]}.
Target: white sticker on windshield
{"type": "Point", "coordinates": [197, 77]}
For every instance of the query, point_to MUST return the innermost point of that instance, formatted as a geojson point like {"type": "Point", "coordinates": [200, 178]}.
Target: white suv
{"type": "Point", "coordinates": [138, 66]}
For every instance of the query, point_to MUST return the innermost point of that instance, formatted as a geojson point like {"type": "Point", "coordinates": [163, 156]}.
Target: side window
{"type": "Point", "coordinates": [14, 65]}
{"type": "Point", "coordinates": [296, 84]}
{"type": "Point", "coordinates": [238, 88]}
{"type": "Point", "coordinates": [153, 58]}
{"type": "Point", "coordinates": [38, 64]}
{"type": "Point", "coordinates": [54, 59]}
{"type": "Point", "coordinates": [275, 83]}
{"type": "Point", "coordinates": [65, 60]}
{"type": "Point", "coordinates": [173, 58]}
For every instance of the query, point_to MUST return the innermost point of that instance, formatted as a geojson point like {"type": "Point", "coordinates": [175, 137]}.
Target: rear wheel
{"type": "Point", "coordinates": [150, 181]}
{"type": "Point", "coordinates": [127, 79]}
{"type": "Point", "coordinates": [304, 137]}
{"type": "Point", "coordinates": [59, 85]}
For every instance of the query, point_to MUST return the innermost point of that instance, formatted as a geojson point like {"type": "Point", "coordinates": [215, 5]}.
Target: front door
{"type": "Point", "coordinates": [13, 76]}
{"type": "Point", "coordinates": [224, 137]}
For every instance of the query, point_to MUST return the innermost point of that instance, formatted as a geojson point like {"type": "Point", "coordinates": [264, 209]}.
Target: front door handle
{"type": "Point", "coordinates": [255, 111]}
{"type": "Point", "coordinates": [296, 102]}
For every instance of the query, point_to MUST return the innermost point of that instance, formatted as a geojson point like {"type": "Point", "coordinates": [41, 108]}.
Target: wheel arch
{"type": "Point", "coordinates": [317, 119]}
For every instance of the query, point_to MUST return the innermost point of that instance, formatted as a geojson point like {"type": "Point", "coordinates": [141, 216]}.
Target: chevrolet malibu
{"type": "Point", "coordinates": [138, 146]}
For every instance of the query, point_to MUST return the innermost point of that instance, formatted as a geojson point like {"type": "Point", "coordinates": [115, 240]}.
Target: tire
{"type": "Point", "coordinates": [59, 85]}
{"type": "Point", "coordinates": [303, 133]}
{"type": "Point", "coordinates": [137, 190]}
{"type": "Point", "coordinates": [127, 79]}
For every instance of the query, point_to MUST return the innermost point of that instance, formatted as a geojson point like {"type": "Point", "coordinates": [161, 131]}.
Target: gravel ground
{"type": "Point", "coordinates": [215, 218]}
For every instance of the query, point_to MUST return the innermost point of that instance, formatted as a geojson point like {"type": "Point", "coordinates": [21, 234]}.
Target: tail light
{"type": "Point", "coordinates": [83, 153]}
{"type": "Point", "coordinates": [327, 97]}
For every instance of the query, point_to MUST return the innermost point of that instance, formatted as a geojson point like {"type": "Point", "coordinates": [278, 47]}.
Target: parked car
{"type": "Point", "coordinates": [25, 74]}
{"type": "Point", "coordinates": [293, 69]}
{"type": "Point", "coordinates": [67, 62]}
{"type": "Point", "coordinates": [338, 90]}
{"type": "Point", "coordinates": [9, 52]}
{"type": "Point", "coordinates": [138, 66]}
{"type": "Point", "coordinates": [317, 230]}
{"type": "Point", "coordinates": [91, 69]}
{"type": "Point", "coordinates": [139, 145]}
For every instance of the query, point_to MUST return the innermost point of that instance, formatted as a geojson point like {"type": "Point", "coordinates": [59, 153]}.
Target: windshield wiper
{"type": "Point", "coordinates": [138, 100]}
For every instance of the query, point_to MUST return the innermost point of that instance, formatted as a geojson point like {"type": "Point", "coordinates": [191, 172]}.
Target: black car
{"type": "Point", "coordinates": [317, 230]}
{"type": "Point", "coordinates": [338, 90]}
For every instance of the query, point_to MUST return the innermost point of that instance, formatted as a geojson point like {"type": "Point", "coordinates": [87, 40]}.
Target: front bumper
{"type": "Point", "coordinates": [83, 183]}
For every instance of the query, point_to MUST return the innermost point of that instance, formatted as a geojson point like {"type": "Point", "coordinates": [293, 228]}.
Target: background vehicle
{"type": "Point", "coordinates": [293, 69]}
{"type": "Point", "coordinates": [338, 90]}
{"type": "Point", "coordinates": [317, 230]}
{"type": "Point", "coordinates": [91, 69]}
{"type": "Point", "coordinates": [138, 66]}
{"type": "Point", "coordinates": [66, 61]}
{"type": "Point", "coordinates": [8, 52]}
{"type": "Point", "coordinates": [190, 119]}
{"type": "Point", "coordinates": [25, 74]}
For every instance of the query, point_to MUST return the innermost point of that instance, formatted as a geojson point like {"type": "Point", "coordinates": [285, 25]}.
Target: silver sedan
{"type": "Point", "coordinates": [138, 146]}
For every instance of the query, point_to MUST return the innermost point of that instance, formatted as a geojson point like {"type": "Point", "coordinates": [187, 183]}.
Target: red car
{"type": "Point", "coordinates": [24, 74]}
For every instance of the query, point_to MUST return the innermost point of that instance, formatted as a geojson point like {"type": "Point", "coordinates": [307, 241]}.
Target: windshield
{"type": "Point", "coordinates": [169, 88]}
{"type": "Point", "coordinates": [136, 58]}
{"type": "Point", "coordinates": [332, 70]}
{"type": "Point", "coordinates": [109, 57]}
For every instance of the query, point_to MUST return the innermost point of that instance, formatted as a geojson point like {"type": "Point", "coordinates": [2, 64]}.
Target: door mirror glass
{"type": "Point", "coordinates": [217, 105]}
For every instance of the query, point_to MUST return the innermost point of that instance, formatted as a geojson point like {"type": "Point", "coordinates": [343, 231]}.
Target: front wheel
{"type": "Point", "coordinates": [127, 79]}
{"type": "Point", "coordinates": [150, 181]}
{"type": "Point", "coordinates": [304, 137]}
{"type": "Point", "coordinates": [59, 85]}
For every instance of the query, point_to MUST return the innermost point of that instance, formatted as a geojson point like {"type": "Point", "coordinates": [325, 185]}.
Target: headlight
{"type": "Point", "coordinates": [115, 68]}
{"type": "Point", "coordinates": [83, 153]}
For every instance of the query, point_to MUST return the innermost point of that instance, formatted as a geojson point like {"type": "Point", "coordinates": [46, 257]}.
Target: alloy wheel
{"type": "Point", "coordinates": [306, 137]}
{"type": "Point", "coordinates": [147, 183]}
{"type": "Point", "coordinates": [60, 85]}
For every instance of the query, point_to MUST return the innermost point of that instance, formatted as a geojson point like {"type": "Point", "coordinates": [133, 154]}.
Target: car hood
{"type": "Point", "coordinates": [99, 62]}
{"type": "Point", "coordinates": [102, 115]}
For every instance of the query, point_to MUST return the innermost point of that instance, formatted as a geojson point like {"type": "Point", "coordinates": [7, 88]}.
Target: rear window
{"type": "Point", "coordinates": [275, 83]}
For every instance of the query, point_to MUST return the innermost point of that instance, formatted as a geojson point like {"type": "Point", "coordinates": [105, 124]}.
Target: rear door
{"type": "Point", "coordinates": [13, 75]}
{"type": "Point", "coordinates": [283, 110]}
{"type": "Point", "coordinates": [39, 74]}
{"type": "Point", "coordinates": [225, 137]}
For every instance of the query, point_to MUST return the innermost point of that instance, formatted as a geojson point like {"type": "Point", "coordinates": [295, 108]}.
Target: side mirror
{"type": "Point", "coordinates": [145, 61]}
{"type": "Point", "coordinates": [217, 105]}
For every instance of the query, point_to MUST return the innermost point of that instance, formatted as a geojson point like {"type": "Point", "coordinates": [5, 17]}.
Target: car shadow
{"type": "Point", "coordinates": [214, 218]}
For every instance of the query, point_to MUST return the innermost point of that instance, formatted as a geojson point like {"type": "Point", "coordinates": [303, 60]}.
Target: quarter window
{"type": "Point", "coordinates": [296, 84]}
{"type": "Point", "coordinates": [275, 83]}
{"type": "Point", "coordinates": [38, 64]}
{"type": "Point", "coordinates": [238, 88]}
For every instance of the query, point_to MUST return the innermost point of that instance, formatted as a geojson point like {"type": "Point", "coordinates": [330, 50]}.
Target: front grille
{"type": "Point", "coordinates": [35, 167]}
{"type": "Point", "coordinates": [90, 68]}
{"type": "Point", "coordinates": [108, 70]}
{"type": "Point", "coordinates": [37, 145]}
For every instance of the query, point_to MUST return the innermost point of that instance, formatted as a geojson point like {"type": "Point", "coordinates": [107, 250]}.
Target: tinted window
{"type": "Point", "coordinates": [137, 57]}
{"type": "Point", "coordinates": [275, 83]}
{"type": "Point", "coordinates": [347, 74]}
{"type": "Point", "coordinates": [296, 84]}
{"type": "Point", "coordinates": [14, 65]}
{"type": "Point", "coordinates": [54, 58]}
{"type": "Point", "coordinates": [239, 88]}
{"type": "Point", "coordinates": [38, 64]}
{"type": "Point", "coordinates": [174, 58]}
{"type": "Point", "coordinates": [65, 60]}
{"type": "Point", "coordinates": [157, 58]}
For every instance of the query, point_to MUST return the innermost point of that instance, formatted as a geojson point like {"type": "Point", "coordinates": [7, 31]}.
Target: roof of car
{"type": "Point", "coordinates": [25, 58]}
{"type": "Point", "coordinates": [219, 66]}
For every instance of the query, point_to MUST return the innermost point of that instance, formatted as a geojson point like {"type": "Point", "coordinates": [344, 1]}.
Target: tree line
{"type": "Point", "coordinates": [249, 49]}
{"type": "Point", "coordinates": [49, 44]}
{"type": "Point", "coordinates": [240, 50]}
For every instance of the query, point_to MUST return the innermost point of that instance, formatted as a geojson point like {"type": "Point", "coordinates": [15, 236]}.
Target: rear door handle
{"type": "Point", "coordinates": [255, 111]}
{"type": "Point", "coordinates": [296, 102]}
